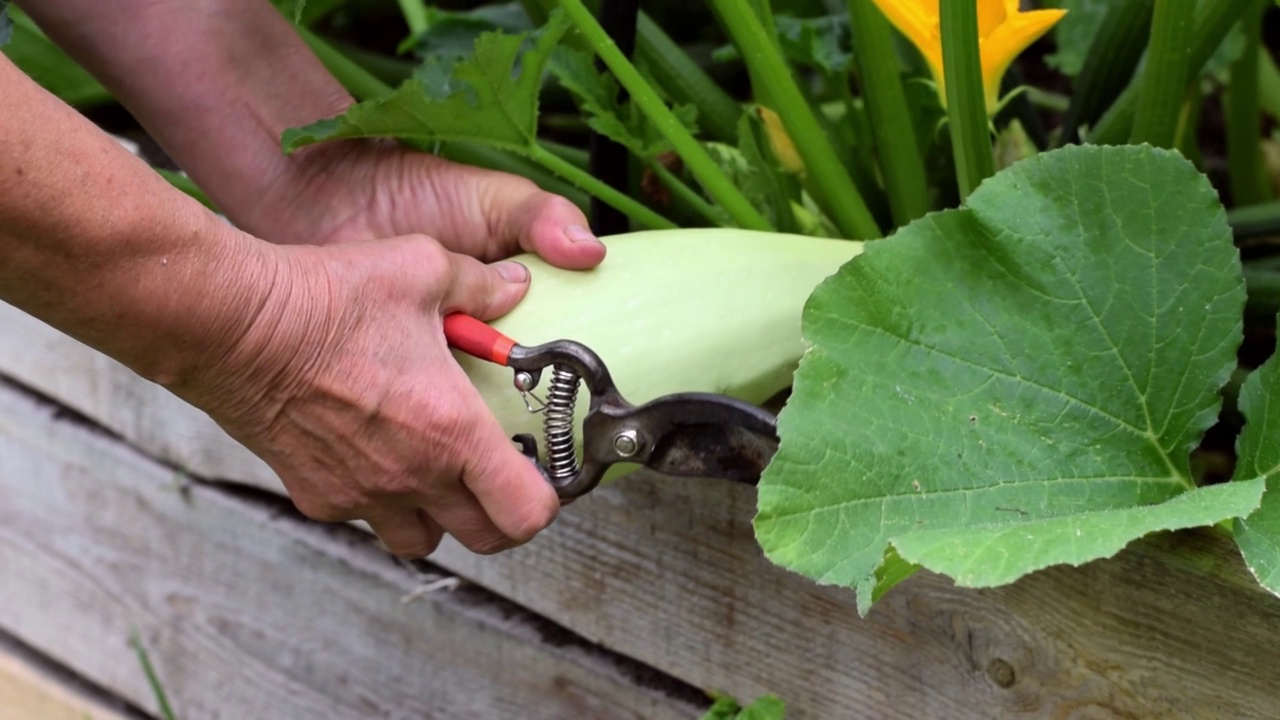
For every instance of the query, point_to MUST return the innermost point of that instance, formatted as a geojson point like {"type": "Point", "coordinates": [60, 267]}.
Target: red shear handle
{"type": "Point", "coordinates": [477, 339]}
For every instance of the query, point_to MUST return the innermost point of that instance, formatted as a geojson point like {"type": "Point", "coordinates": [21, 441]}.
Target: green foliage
{"type": "Point", "coordinates": [765, 707]}
{"type": "Point", "coordinates": [481, 99]}
{"type": "Point", "coordinates": [453, 34]}
{"type": "Point", "coordinates": [37, 56]}
{"type": "Point", "coordinates": [6, 23]}
{"type": "Point", "coordinates": [598, 95]}
{"type": "Point", "coordinates": [1014, 384]}
{"type": "Point", "coordinates": [820, 43]}
{"type": "Point", "coordinates": [489, 98]}
{"type": "Point", "coordinates": [1259, 459]}
{"type": "Point", "coordinates": [1074, 36]}
{"type": "Point", "coordinates": [291, 8]}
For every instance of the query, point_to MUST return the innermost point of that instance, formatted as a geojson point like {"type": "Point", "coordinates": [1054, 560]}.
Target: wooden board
{"type": "Point", "coordinates": [668, 573]}
{"type": "Point", "coordinates": [248, 612]}
{"type": "Point", "coordinates": [110, 394]}
{"type": "Point", "coordinates": [30, 692]}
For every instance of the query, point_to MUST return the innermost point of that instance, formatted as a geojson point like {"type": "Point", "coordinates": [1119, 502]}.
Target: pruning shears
{"type": "Point", "coordinates": [692, 434]}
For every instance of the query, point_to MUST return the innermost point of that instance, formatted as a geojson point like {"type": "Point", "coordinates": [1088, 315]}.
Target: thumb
{"type": "Point", "coordinates": [483, 291]}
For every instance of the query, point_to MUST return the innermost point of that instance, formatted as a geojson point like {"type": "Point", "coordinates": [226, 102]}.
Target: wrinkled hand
{"type": "Point", "coordinates": [360, 190]}
{"type": "Point", "coordinates": [344, 385]}
{"type": "Point", "coordinates": [347, 388]}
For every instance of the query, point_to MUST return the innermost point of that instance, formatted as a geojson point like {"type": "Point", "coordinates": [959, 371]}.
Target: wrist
{"type": "Point", "coordinates": [258, 336]}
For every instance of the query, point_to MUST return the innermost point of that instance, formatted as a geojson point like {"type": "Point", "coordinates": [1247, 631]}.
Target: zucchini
{"type": "Point", "coordinates": [709, 310]}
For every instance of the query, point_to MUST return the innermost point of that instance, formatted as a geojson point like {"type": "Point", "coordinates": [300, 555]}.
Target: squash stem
{"type": "Point", "coordinates": [834, 190]}
{"type": "Point", "coordinates": [1164, 79]}
{"type": "Point", "coordinates": [886, 100]}
{"type": "Point", "coordinates": [695, 157]}
{"type": "Point", "coordinates": [966, 102]}
{"type": "Point", "coordinates": [585, 180]}
{"type": "Point", "coordinates": [362, 84]}
{"type": "Point", "coordinates": [686, 194]}
{"type": "Point", "coordinates": [686, 82]}
{"type": "Point", "coordinates": [1113, 57]}
{"type": "Point", "coordinates": [1212, 24]}
{"type": "Point", "coordinates": [1249, 184]}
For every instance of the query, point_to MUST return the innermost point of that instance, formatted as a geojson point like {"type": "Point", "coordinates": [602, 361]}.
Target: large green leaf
{"type": "Point", "coordinates": [1259, 458]}
{"type": "Point", "coordinates": [1014, 384]}
{"type": "Point", "coordinates": [491, 98]}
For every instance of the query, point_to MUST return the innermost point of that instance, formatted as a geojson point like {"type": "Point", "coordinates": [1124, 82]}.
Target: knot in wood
{"type": "Point", "coordinates": [1001, 673]}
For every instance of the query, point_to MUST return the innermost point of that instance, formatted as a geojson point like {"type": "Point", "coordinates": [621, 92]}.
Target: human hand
{"type": "Point", "coordinates": [364, 189]}
{"type": "Point", "coordinates": [345, 386]}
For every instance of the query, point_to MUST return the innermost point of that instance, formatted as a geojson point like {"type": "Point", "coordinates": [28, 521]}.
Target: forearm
{"type": "Point", "coordinates": [215, 82]}
{"type": "Point", "coordinates": [96, 244]}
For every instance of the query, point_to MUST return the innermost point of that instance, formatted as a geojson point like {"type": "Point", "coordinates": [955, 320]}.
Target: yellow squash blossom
{"type": "Point", "coordinates": [1004, 31]}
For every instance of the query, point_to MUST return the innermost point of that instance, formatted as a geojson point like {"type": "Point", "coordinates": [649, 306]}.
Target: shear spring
{"type": "Point", "coordinates": [557, 424]}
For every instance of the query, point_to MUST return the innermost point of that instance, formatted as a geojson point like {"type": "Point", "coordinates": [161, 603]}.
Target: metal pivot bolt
{"type": "Point", "coordinates": [626, 443]}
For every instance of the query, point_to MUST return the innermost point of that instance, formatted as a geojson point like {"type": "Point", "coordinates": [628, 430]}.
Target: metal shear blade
{"type": "Point", "coordinates": [682, 435]}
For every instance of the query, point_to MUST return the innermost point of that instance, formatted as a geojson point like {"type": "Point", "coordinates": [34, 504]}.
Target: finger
{"type": "Point", "coordinates": [409, 534]}
{"type": "Point", "coordinates": [556, 230]}
{"type": "Point", "coordinates": [484, 291]}
{"type": "Point", "coordinates": [512, 491]}
{"type": "Point", "coordinates": [461, 515]}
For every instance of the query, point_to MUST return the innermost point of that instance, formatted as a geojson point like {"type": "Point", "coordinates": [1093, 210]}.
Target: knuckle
{"type": "Point", "coordinates": [433, 258]}
{"type": "Point", "coordinates": [395, 484]}
{"type": "Point", "coordinates": [325, 509]}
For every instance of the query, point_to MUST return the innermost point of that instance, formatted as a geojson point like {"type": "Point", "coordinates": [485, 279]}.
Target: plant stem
{"type": "Point", "coordinates": [585, 180]}
{"type": "Point", "coordinates": [1249, 184]}
{"type": "Point", "coordinates": [642, 94]}
{"type": "Point", "coordinates": [886, 100]}
{"type": "Point", "coordinates": [966, 103]}
{"type": "Point", "coordinates": [1255, 220]}
{"type": "Point", "coordinates": [359, 82]}
{"type": "Point", "coordinates": [834, 189]}
{"type": "Point", "coordinates": [1263, 293]}
{"type": "Point", "coordinates": [415, 16]}
{"type": "Point", "coordinates": [1268, 85]}
{"type": "Point", "coordinates": [1165, 77]}
{"type": "Point", "coordinates": [1113, 57]}
{"type": "Point", "coordinates": [153, 680]}
{"type": "Point", "coordinates": [493, 158]}
{"type": "Point", "coordinates": [685, 82]}
{"type": "Point", "coordinates": [1047, 100]}
{"type": "Point", "coordinates": [1212, 24]}
{"type": "Point", "coordinates": [686, 194]}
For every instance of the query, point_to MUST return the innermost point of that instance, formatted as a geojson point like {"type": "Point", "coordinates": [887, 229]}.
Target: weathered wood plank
{"type": "Point", "coordinates": [28, 692]}
{"type": "Point", "coordinates": [107, 392]}
{"type": "Point", "coordinates": [250, 613]}
{"type": "Point", "coordinates": [668, 573]}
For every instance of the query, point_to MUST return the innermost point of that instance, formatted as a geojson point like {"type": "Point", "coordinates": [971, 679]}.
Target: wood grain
{"type": "Point", "coordinates": [250, 613]}
{"type": "Point", "coordinates": [143, 413]}
{"type": "Point", "coordinates": [29, 692]}
{"type": "Point", "coordinates": [667, 572]}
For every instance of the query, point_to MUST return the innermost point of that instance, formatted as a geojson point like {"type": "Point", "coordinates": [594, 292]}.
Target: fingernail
{"type": "Point", "coordinates": [512, 272]}
{"type": "Point", "coordinates": [579, 234]}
